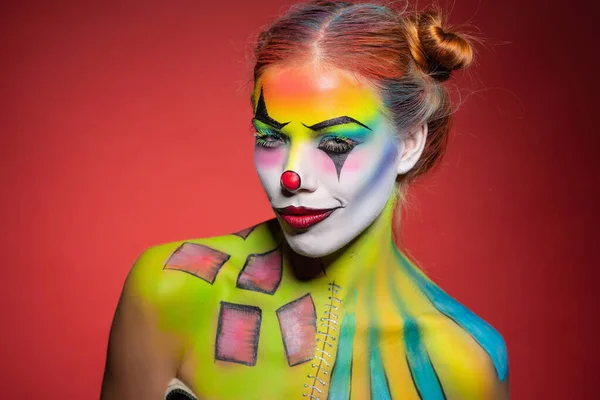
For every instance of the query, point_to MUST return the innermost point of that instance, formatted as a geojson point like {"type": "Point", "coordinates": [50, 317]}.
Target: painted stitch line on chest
{"type": "Point", "coordinates": [325, 336]}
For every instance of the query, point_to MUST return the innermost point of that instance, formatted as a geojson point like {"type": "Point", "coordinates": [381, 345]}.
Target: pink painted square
{"type": "Point", "coordinates": [198, 260]}
{"type": "Point", "coordinates": [261, 272]}
{"type": "Point", "coordinates": [244, 233]}
{"type": "Point", "coordinates": [237, 333]}
{"type": "Point", "coordinates": [298, 324]}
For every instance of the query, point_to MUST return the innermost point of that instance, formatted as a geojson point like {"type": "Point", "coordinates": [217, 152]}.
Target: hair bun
{"type": "Point", "coordinates": [438, 51]}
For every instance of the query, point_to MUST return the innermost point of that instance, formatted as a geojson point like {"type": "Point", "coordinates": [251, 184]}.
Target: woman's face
{"type": "Point", "coordinates": [326, 129]}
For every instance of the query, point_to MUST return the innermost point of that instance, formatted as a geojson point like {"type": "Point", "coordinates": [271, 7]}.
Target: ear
{"type": "Point", "coordinates": [411, 148]}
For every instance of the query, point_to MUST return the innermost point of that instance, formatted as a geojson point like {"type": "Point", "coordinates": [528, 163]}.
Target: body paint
{"type": "Point", "coordinates": [198, 260]}
{"type": "Point", "coordinates": [237, 333]}
{"type": "Point", "coordinates": [261, 272]}
{"type": "Point", "coordinates": [395, 334]}
{"type": "Point", "coordinates": [298, 324]}
{"type": "Point", "coordinates": [261, 113]}
{"type": "Point", "coordinates": [379, 329]}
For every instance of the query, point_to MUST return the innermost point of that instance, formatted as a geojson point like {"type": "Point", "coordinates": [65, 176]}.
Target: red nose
{"type": "Point", "coordinates": [290, 180]}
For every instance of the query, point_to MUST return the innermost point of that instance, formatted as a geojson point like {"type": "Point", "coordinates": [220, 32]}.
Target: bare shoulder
{"type": "Point", "coordinates": [185, 275]}
{"type": "Point", "coordinates": [469, 356]}
{"type": "Point", "coordinates": [170, 294]}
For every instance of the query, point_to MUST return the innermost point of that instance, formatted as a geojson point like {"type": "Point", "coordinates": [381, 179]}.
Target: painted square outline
{"type": "Point", "coordinates": [239, 307]}
{"type": "Point", "coordinates": [253, 288]}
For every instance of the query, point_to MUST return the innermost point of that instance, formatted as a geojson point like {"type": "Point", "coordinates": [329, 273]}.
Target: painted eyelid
{"type": "Point", "coordinates": [341, 137]}
{"type": "Point", "coordinates": [261, 134]}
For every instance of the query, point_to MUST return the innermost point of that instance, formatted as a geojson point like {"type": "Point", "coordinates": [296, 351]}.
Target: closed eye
{"type": "Point", "coordinates": [337, 144]}
{"type": "Point", "coordinates": [269, 139]}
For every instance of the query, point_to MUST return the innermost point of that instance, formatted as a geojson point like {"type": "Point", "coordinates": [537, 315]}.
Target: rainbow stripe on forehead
{"type": "Point", "coordinates": [307, 95]}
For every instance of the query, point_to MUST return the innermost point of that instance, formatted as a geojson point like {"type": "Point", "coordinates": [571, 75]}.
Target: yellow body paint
{"type": "Point", "coordinates": [371, 325]}
{"type": "Point", "coordinates": [188, 307]}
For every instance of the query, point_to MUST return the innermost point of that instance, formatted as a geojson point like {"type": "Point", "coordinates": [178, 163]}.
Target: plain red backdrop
{"type": "Point", "coordinates": [126, 124]}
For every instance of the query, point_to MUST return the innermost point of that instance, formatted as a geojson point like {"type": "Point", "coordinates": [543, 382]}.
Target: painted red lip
{"type": "Point", "coordinates": [302, 217]}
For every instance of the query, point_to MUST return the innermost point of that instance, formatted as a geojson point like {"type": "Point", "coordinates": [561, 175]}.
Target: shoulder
{"type": "Point", "coordinates": [466, 351]}
{"type": "Point", "coordinates": [169, 295]}
{"type": "Point", "coordinates": [468, 354]}
{"type": "Point", "coordinates": [173, 277]}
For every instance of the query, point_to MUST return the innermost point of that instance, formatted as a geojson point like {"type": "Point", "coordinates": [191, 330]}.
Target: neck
{"type": "Point", "coordinates": [374, 246]}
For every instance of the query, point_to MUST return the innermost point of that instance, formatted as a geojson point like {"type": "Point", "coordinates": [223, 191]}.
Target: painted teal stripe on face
{"type": "Point", "coordinates": [488, 337]}
{"type": "Point", "coordinates": [380, 388]}
{"type": "Point", "coordinates": [359, 134]}
{"type": "Point", "coordinates": [342, 369]}
{"type": "Point", "coordinates": [423, 373]}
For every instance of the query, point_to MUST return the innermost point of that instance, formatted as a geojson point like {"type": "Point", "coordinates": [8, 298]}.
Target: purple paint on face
{"type": "Point", "coordinates": [268, 158]}
{"type": "Point", "coordinates": [388, 158]}
{"type": "Point", "coordinates": [349, 167]}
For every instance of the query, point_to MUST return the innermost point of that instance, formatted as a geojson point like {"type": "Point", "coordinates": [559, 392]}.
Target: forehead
{"type": "Point", "coordinates": [310, 94]}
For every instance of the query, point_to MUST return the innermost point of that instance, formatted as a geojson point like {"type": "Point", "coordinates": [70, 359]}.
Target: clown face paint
{"type": "Point", "coordinates": [326, 131]}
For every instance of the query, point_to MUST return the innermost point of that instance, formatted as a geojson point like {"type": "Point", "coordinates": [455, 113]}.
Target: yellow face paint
{"type": "Point", "coordinates": [371, 326]}
{"type": "Point", "coordinates": [329, 129]}
{"type": "Point", "coordinates": [310, 94]}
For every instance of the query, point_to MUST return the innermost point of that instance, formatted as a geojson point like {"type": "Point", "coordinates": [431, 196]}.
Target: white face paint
{"type": "Point", "coordinates": [348, 168]}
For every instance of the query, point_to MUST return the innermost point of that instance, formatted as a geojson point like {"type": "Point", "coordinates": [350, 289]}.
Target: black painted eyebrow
{"type": "Point", "coordinates": [262, 115]}
{"type": "Point", "coordinates": [271, 122]}
{"type": "Point", "coordinates": [335, 121]}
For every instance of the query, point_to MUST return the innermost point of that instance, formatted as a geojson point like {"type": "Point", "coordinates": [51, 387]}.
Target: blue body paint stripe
{"type": "Point", "coordinates": [342, 369]}
{"type": "Point", "coordinates": [423, 373]}
{"type": "Point", "coordinates": [488, 337]}
{"type": "Point", "coordinates": [379, 384]}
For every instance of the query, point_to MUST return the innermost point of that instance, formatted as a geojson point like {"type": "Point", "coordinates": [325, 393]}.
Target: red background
{"type": "Point", "coordinates": [125, 124]}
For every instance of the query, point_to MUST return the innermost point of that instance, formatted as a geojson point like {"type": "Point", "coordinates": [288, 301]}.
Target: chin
{"type": "Point", "coordinates": [328, 236]}
{"type": "Point", "coordinates": [319, 240]}
{"type": "Point", "coordinates": [311, 244]}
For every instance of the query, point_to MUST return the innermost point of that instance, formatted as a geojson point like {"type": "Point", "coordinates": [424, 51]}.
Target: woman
{"type": "Point", "coordinates": [319, 302]}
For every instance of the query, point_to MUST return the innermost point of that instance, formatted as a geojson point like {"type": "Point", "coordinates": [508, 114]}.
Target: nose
{"type": "Point", "coordinates": [298, 174]}
{"type": "Point", "coordinates": [290, 180]}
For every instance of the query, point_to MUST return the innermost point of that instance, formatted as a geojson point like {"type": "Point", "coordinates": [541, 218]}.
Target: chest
{"type": "Point", "coordinates": [255, 346]}
{"type": "Point", "coordinates": [391, 334]}
{"type": "Point", "coordinates": [311, 347]}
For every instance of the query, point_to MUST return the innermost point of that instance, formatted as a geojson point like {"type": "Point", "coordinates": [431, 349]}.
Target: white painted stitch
{"type": "Point", "coordinates": [323, 360]}
{"type": "Point", "coordinates": [321, 381]}
{"type": "Point", "coordinates": [324, 352]}
{"type": "Point", "coordinates": [313, 388]}
{"type": "Point", "coordinates": [329, 324]}
{"type": "Point", "coordinates": [328, 319]}
{"type": "Point", "coordinates": [331, 314]}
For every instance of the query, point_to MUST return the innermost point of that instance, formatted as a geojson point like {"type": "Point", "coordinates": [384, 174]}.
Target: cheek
{"type": "Point", "coordinates": [268, 158]}
{"type": "Point", "coordinates": [355, 162]}
{"type": "Point", "coordinates": [269, 165]}
{"type": "Point", "coordinates": [363, 171]}
{"type": "Point", "coordinates": [324, 163]}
